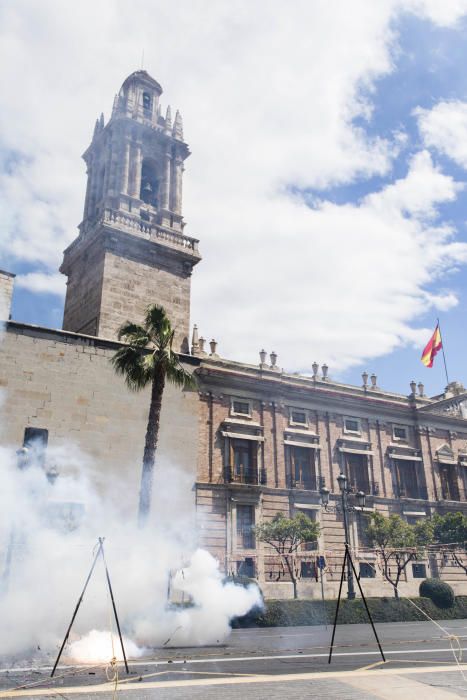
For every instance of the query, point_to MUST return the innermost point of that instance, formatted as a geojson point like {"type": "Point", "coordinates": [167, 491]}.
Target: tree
{"type": "Point", "coordinates": [397, 543]}
{"type": "Point", "coordinates": [146, 359]}
{"type": "Point", "coordinates": [450, 530]}
{"type": "Point", "coordinates": [286, 535]}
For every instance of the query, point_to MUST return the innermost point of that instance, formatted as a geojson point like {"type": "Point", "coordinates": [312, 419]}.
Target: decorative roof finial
{"type": "Point", "coordinates": [168, 119]}
{"type": "Point", "coordinates": [195, 341]}
{"type": "Point", "coordinates": [178, 126]}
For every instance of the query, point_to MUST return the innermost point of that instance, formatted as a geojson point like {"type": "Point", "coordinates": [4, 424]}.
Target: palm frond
{"type": "Point", "coordinates": [178, 376]}
{"type": "Point", "coordinates": [133, 334]}
{"type": "Point", "coordinates": [157, 323]}
{"type": "Point", "coordinates": [131, 362]}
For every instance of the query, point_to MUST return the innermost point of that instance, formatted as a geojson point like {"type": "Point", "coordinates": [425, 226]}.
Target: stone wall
{"type": "Point", "coordinates": [6, 292]}
{"type": "Point", "coordinates": [114, 276]}
{"type": "Point", "coordinates": [65, 383]}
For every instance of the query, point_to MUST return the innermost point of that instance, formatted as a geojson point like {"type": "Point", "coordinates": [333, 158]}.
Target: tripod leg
{"type": "Point", "coordinates": [366, 607]}
{"type": "Point", "coordinates": [115, 611]}
{"type": "Point", "coordinates": [80, 600]}
{"type": "Point", "coordinates": [338, 603]}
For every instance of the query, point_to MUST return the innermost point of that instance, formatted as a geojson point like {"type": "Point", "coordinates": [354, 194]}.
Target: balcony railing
{"type": "Point", "coordinates": [411, 492]}
{"type": "Point", "coordinates": [241, 476]}
{"type": "Point", "coordinates": [452, 492]}
{"type": "Point", "coordinates": [369, 488]}
{"type": "Point", "coordinates": [314, 483]}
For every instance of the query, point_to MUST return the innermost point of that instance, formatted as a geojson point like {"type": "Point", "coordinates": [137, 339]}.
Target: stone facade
{"type": "Point", "coordinates": [64, 383]}
{"type": "Point", "coordinates": [6, 292]}
{"type": "Point", "coordinates": [253, 440]}
{"type": "Point", "coordinates": [407, 453]}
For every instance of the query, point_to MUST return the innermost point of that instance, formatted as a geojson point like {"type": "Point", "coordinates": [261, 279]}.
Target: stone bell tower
{"type": "Point", "coordinates": [131, 250]}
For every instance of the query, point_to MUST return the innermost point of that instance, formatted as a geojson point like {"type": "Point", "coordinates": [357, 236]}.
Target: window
{"type": "Point", "coordinates": [419, 570]}
{"type": "Point", "coordinates": [449, 482]}
{"type": "Point", "coordinates": [357, 472]}
{"type": "Point", "coordinates": [245, 461]}
{"type": "Point", "coordinates": [36, 441]}
{"type": "Point", "coordinates": [303, 472]}
{"type": "Point", "coordinates": [246, 568]}
{"type": "Point", "coordinates": [363, 521]}
{"type": "Point", "coordinates": [308, 569]}
{"type": "Point", "coordinates": [149, 191]}
{"type": "Point", "coordinates": [240, 408]}
{"type": "Point", "coordinates": [406, 478]}
{"type": "Point", "coordinates": [352, 425]}
{"type": "Point", "coordinates": [298, 417]}
{"type": "Point", "coordinates": [400, 433]}
{"type": "Point", "coordinates": [367, 570]}
{"type": "Point", "coordinates": [245, 524]}
{"type": "Point", "coordinates": [146, 101]}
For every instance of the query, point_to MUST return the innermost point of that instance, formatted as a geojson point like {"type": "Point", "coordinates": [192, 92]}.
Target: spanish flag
{"type": "Point", "coordinates": [434, 345]}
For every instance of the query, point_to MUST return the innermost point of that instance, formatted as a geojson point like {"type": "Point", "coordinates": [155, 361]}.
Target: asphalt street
{"type": "Point", "coordinates": [269, 663]}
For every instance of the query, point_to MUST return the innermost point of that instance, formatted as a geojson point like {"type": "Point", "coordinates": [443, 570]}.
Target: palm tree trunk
{"type": "Point", "coordinates": [150, 446]}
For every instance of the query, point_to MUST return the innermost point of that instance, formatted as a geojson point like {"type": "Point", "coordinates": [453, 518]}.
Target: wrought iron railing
{"type": "Point", "coordinates": [313, 483]}
{"type": "Point", "coordinates": [241, 475]}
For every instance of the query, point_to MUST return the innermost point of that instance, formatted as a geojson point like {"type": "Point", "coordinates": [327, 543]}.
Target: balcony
{"type": "Point", "coordinates": [415, 492]}
{"type": "Point", "coordinates": [314, 483]}
{"type": "Point", "coordinates": [241, 476]}
{"type": "Point", "coordinates": [369, 488]}
{"type": "Point", "coordinates": [451, 492]}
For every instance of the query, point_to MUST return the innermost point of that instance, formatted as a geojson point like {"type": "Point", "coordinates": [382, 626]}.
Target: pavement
{"type": "Point", "coordinates": [270, 663]}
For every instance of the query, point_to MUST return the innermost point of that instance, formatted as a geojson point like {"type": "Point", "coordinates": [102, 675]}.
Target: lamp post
{"type": "Point", "coordinates": [346, 508]}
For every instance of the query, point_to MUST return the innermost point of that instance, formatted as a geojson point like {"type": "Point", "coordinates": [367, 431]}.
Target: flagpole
{"type": "Point", "coordinates": [444, 356]}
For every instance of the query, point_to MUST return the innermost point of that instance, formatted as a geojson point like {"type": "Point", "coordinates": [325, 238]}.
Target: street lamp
{"type": "Point", "coordinates": [324, 493]}
{"type": "Point", "coordinates": [342, 481]}
{"type": "Point", "coordinates": [345, 508]}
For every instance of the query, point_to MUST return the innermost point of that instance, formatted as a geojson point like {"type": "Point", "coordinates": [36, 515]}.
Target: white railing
{"type": "Point", "coordinates": [149, 230]}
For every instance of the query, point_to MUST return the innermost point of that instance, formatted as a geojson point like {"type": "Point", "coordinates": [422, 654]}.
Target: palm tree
{"type": "Point", "coordinates": [148, 358]}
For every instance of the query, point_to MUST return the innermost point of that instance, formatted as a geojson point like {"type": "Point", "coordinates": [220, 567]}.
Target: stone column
{"type": "Point", "coordinates": [137, 171]}
{"type": "Point", "coordinates": [88, 191]}
{"type": "Point", "coordinates": [125, 182]}
{"type": "Point", "coordinates": [134, 184]}
{"type": "Point", "coordinates": [165, 191]}
{"type": "Point", "coordinates": [177, 185]}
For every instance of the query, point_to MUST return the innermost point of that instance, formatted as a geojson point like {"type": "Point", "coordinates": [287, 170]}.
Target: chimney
{"type": "Point", "coordinates": [195, 341]}
{"type": "Point", "coordinates": [7, 280]}
{"type": "Point", "coordinates": [273, 358]}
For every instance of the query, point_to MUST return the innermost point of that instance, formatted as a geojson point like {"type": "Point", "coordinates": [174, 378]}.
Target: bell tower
{"type": "Point", "coordinates": [131, 250]}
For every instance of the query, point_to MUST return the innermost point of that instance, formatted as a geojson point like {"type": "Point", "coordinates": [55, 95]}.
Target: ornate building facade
{"type": "Point", "coordinates": [256, 440]}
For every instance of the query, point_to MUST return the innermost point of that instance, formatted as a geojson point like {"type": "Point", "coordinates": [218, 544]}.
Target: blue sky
{"type": "Point", "coordinates": [356, 116]}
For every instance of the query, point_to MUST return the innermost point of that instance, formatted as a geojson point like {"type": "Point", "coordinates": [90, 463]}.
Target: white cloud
{"type": "Point", "coordinates": [42, 283]}
{"type": "Point", "coordinates": [339, 283]}
{"type": "Point", "coordinates": [269, 94]}
{"type": "Point", "coordinates": [445, 13]}
{"type": "Point", "coordinates": [444, 127]}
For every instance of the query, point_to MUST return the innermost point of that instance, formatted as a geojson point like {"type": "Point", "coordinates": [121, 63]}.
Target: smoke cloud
{"type": "Point", "coordinates": [48, 530]}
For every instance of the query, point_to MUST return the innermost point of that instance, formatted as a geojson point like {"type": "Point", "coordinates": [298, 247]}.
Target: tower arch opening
{"type": "Point", "coordinates": [150, 183]}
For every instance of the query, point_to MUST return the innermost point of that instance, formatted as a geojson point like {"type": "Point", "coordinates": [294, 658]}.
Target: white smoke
{"type": "Point", "coordinates": [48, 530]}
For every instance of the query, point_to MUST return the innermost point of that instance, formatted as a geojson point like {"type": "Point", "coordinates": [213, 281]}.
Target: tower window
{"type": "Point", "coordinates": [149, 192]}
{"type": "Point", "coordinates": [146, 101]}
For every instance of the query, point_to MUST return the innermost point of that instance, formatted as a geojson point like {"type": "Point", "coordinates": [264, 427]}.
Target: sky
{"type": "Point", "coordinates": [327, 181]}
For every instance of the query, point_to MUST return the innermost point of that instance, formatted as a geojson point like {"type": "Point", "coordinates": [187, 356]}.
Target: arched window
{"type": "Point", "coordinates": [147, 102]}
{"type": "Point", "coordinates": [149, 183]}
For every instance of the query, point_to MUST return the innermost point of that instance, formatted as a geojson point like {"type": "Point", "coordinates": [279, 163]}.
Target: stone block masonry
{"type": "Point", "coordinates": [65, 383]}
{"type": "Point", "coordinates": [6, 292]}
